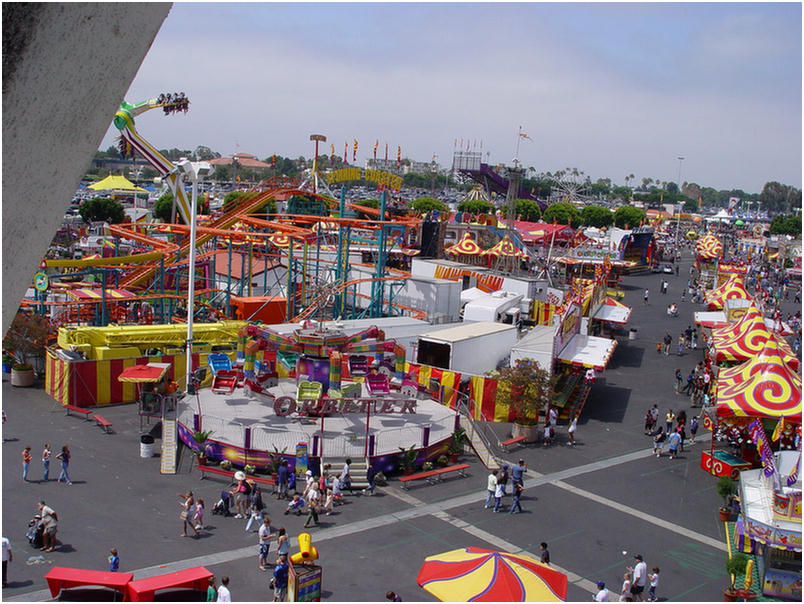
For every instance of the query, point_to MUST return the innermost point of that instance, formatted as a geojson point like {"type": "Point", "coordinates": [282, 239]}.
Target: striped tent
{"type": "Point", "coordinates": [763, 386]}
{"type": "Point", "coordinates": [709, 247]}
{"type": "Point", "coordinates": [733, 288]}
{"type": "Point", "coordinates": [505, 248]}
{"type": "Point", "coordinates": [746, 339]}
{"type": "Point", "coordinates": [465, 247]}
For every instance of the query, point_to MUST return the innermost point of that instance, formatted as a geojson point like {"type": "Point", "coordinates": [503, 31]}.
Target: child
{"type": "Point", "coordinates": [114, 561]}
{"type": "Point", "coordinates": [292, 481]}
{"type": "Point", "coordinates": [337, 497]}
{"type": "Point", "coordinates": [654, 583]}
{"type": "Point", "coordinates": [295, 505]}
{"type": "Point", "coordinates": [198, 515]}
{"type": "Point", "coordinates": [499, 491]}
{"type": "Point", "coordinates": [625, 592]}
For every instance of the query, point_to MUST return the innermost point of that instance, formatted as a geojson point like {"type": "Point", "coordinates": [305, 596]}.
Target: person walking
{"type": "Point", "coordinates": [502, 479]}
{"type": "Point", "coordinates": [679, 381]}
{"type": "Point", "coordinates": [50, 522]}
{"type": "Point", "coordinates": [114, 560]}
{"type": "Point", "coordinates": [64, 456]}
{"type": "Point", "coordinates": [664, 286]}
{"type": "Point", "coordinates": [198, 515]}
{"type": "Point", "coordinates": [370, 474]}
{"type": "Point", "coordinates": [265, 537]}
{"type": "Point", "coordinates": [26, 462]}
{"type": "Point", "coordinates": [625, 590]}
{"type": "Point", "coordinates": [544, 556]}
{"type": "Point", "coordinates": [658, 439]}
{"type": "Point", "coordinates": [645, 297]}
{"type": "Point", "coordinates": [499, 491]}
{"type": "Point", "coordinates": [346, 476]}
{"type": "Point", "coordinates": [282, 543]}
{"type": "Point", "coordinates": [186, 514]}
{"type": "Point", "coordinates": [673, 441]}
{"type": "Point", "coordinates": [46, 463]}
{"type": "Point", "coordinates": [573, 426]}
{"type": "Point", "coordinates": [669, 417]}
{"type": "Point", "coordinates": [693, 428]}
{"type": "Point", "coordinates": [312, 507]}
{"type": "Point", "coordinates": [654, 583]}
{"type": "Point", "coordinates": [668, 341]}
{"type": "Point", "coordinates": [516, 506]}
{"type": "Point", "coordinates": [282, 480]}
{"type": "Point", "coordinates": [640, 574]}
{"type": "Point", "coordinates": [491, 487]}
{"type": "Point", "coordinates": [212, 592]}
{"type": "Point", "coordinates": [7, 557]}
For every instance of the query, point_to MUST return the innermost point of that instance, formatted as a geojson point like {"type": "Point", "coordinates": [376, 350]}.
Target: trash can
{"type": "Point", "coordinates": [632, 333]}
{"type": "Point", "coordinates": [146, 445]}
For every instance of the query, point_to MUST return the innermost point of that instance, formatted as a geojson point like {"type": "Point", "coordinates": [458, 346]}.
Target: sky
{"type": "Point", "coordinates": [609, 89]}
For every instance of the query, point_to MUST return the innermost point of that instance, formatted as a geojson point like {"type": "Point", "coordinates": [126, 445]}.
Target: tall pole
{"type": "Point", "coordinates": [678, 221]}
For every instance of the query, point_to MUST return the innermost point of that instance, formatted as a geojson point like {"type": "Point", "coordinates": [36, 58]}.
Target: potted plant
{"type": "Point", "coordinates": [274, 459]}
{"type": "Point", "coordinates": [22, 375]}
{"type": "Point", "coordinates": [201, 437]}
{"type": "Point", "coordinates": [726, 488]}
{"type": "Point", "coordinates": [734, 566]}
{"type": "Point", "coordinates": [407, 458]}
{"type": "Point", "coordinates": [28, 337]}
{"type": "Point", "coordinates": [526, 389]}
{"type": "Point", "coordinates": [249, 469]}
{"type": "Point", "coordinates": [380, 480]}
{"type": "Point", "coordinates": [442, 460]}
{"type": "Point", "coordinates": [456, 444]}
{"type": "Point", "coordinates": [226, 464]}
{"type": "Point", "coordinates": [428, 465]}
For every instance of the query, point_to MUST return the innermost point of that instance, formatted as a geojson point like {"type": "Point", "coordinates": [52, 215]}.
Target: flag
{"type": "Point", "coordinates": [525, 136]}
{"type": "Point", "coordinates": [777, 431]}
{"type": "Point", "coordinates": [345, 150]}
{"type": "Point", "coordinates": [792, 478]}
{"type": "Point", "coordinates": [331, 154]}
{"type": "Point", "coordinates": [386, 153]}
{"type": "Point", "coordinates": [354, 150]}
{"type": "Point", "coordinates": [376, 143]}
{"type": "Point", "coordinates": [455, 144]}
{"type": "Point", "coordinates": [398, 157]}
{"type": "Point", "coordinates": [273, 160]}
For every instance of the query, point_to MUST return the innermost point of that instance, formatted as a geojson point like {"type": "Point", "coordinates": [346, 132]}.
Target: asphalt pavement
{"type": "Point", "coordinates": [596, 504]}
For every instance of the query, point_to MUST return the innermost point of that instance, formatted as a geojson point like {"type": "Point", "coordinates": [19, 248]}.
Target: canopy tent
{"type": "Point", "coordinates": [733, 288]}
{"type": "Point", "coordinates": [763, 386]}
{"type": "Point", "coordinates": [465, 247]}
{"type": "Point", "coordinates": [588, 351]}
{"type": "Point", "coordinates": [473, 574]}
{"type": "Point", "coordinates": [505, 248]}
{"type": "Point", "coordinates": [116, 183]}
{"type": "Point", "coordinates": [148, 373]}
{"type": "Point", "coordinates": [746, 338]}
{"type": "Point", "coordinates": [542, 232]}
{"type": "Point", "coordinates": [709, 247]}
{"type": "Point", "coordinates": [613, 311]}
{"type": "Point", "coordinates": [89, 293]}
{"type": "Point", "coordinates": [283, 241]}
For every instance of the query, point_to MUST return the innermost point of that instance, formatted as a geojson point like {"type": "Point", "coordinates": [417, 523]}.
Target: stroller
{"type": "Point", "coordinates": [222, 507]}
{"type": "Point", "coordinates": [35, 532]}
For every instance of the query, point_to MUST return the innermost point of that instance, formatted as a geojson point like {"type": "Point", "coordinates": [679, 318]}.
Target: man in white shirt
{"type": "Point", "coordinates": [345, 477]}
{"type": "Point", "coordinates": [224, 595]}
{"type": "Point", "coordinates": [265, 541]}
{"type": "Point", "coordinates": [602, 594]}
{"type": "Point", "coordinates": [7, 557]}
{"type": "Point", "coordinates": [640, 574]}
{"type": "Point", "coordinates": [491, 487]}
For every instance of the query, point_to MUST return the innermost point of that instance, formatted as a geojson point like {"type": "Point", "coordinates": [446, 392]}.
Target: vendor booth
{"type": "Point", "coordinates": [745, 339]}
{"type": "Point", "coordinates": [61, 577]}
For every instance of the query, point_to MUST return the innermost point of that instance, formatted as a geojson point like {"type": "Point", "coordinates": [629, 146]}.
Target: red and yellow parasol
{"type": "Point", "coordinates": [472, 574]}
{"type": "Point", "coordinates": [465, 247]}
{"type": "Point", "coordinates": [764, 386]}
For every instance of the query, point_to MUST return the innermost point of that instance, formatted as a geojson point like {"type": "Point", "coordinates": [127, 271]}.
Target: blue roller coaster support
{"type": "Point", "coordinates": [378, 287]}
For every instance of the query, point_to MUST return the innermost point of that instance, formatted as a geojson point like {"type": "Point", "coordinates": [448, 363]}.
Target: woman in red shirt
{"type": "Point", "coordinates": [26, 462]}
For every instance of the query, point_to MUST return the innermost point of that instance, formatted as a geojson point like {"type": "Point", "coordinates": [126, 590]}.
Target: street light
{"type": "Point", "coordinates": [194, 172]}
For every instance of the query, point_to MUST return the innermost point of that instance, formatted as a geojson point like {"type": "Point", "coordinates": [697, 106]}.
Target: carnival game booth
{"type": "Point", "coordinates": [769, 525]}
{"type": "Point", "coordinates": [708, 251]}
{"type": "Point", "coordinates": [726, 271]}
{"type": "Point", "coordinates": [764, 388]}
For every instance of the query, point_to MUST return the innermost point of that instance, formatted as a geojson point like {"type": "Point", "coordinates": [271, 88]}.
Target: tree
{"type": "Point", "coordinates": [776, 197]}
{"type": "Point", "coordinates": [163, 207]}
{"type": "Point", "coordinates": [102, 209]}
{"type": "Point", "coordinates": [27, 336]}
{"type": "Point", "coordinates": [562, 213]}
{"type": "Point", "coordinates": [623, 193]}
{"type": "Point", "coordinates": [672, 188]}
{"type": "Point", "coordinates": [596, 216]}
{"type": "Point", "coordinates": [203, 153]}
{"type": "Point", "coordinates": [526, 388]}
{"type": "Point", "coordinates": [526, 209]}
{"type": "Point", "coordinates": [476, 206]}
{"type": "Point", "coordinates": [426, 204]}
{"type": "Point", "coordinates": [786, 225]}
{"type": "Point", "coordinates": [629, 217]}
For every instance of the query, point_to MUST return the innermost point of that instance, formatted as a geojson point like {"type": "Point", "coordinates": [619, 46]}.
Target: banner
{"type": "Point", "coordinates": [766, 455]}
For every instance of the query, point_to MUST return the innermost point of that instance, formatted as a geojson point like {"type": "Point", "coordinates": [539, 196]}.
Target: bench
{"type": "Point", "coordinates": [103, 423]}
{"type": "Point", "coordinates": [230, 474]}
{"type": "Point", "coordinates": [512, 441]}
{"type": "Point", "coordinates": [433, 476]}
{"type": "Point", "coordinates": [74, 409]}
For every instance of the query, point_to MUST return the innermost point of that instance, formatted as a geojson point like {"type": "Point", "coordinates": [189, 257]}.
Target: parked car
{"type": "Point", "coordinates": [668, 268]}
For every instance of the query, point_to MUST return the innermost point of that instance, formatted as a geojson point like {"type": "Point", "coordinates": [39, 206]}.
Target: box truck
{"type": "Point", "coordinates": [473, 348]}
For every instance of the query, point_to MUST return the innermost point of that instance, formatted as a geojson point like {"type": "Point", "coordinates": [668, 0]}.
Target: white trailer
{"type": "Point", "coordinates": [499, 306]}
{"type": "Point", "coordinates": [470, 348]}
{"type": "Point", "coordinates": [536, 346]}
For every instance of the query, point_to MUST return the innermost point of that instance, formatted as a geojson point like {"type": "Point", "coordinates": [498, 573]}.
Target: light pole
{"type": "Point", "coordinates": [194, 172]}
{"type": "Point", "coordinates": [678, 221]}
